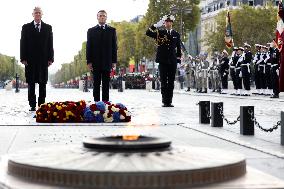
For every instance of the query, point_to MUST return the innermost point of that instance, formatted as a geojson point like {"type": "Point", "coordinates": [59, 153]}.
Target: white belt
{"type": "Point", "coordinates": [232, 66]}
{"type": "Point", "coordinates": [247, 66]}
{"type": "Point", "coordinates": [273, 65]}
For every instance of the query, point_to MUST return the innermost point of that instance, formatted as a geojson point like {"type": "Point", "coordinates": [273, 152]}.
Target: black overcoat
{"type": "Point", "coordinates": [37, 49]}
{"type": "Point", "coordinates": [101, 49]}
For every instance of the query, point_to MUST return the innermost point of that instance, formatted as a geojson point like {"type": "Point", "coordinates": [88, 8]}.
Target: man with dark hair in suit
{"type": "Point", "coordinates": [168, 55]}
{"type": "Point", "coordinates": [36, 53]}
{"type": "Point", "coordinates": [101, 54]}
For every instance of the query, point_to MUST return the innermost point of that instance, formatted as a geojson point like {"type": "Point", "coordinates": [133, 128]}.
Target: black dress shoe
{"type": "Point", "coordinates": [167, 105]}
{"type": "Point", "coordinates": [275, 96]}
{"type": "Point", "coordinates": [32, 109]}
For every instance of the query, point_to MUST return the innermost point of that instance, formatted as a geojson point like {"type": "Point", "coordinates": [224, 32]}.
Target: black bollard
{"type": "Point", "coordinates": [282, 128]}
{"type": "Point", "coordinates": [204, 112]}
{"type": "Point", "coordinates": [216, 116]}
{"type": "Point", "coordinates": [246, 120]}
{"type": "Point", "coordinates": [17, 84]}
{"type": "Point", "coordinates": [120, 87]}
{"type": "Point", "coordinates": [85, 85]}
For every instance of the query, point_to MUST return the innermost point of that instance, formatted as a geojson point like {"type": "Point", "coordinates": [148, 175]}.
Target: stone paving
{"type": "Point", "coordinates": [263, 151]}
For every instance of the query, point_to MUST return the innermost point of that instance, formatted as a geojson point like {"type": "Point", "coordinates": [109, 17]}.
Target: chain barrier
{"type": "Point", "coordinates": [256, 123]}
{"type": "Point", "coordinates": [220, 108]}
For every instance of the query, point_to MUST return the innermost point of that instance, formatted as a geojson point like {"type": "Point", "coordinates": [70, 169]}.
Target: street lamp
{"type": "Point", "coordinates": [15, 74]}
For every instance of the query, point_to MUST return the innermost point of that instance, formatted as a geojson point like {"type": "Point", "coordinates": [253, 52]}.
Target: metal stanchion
{"type": "Point", "coordinates": [246, 122]}
{"type": "Point", "coordinates": [17, 84]}
{"type": "Point", "coordinates": [120, 79]}
{"type": "Point", "coordinates": [216, 114]}
{"type": "Point", "coordinates": [204, 112]}
{"type": "Point", "coordinates": [282, 128]}
{"type": "Point", "coordinates": [85, 85]}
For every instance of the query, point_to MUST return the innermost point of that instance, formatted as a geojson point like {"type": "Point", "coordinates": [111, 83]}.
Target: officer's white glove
{"type": "Point", "coordinates": [277, 71]}
{"type": "Point", "coordinates": [224, 74]}
{"type": "Point", "coordinates": [240, 75]}
{"type": "Point", "coordinates": [159, 24]}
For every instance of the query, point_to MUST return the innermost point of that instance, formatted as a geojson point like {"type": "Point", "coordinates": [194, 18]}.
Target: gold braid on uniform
{"type": "Point", "coordinates": [162, 40]}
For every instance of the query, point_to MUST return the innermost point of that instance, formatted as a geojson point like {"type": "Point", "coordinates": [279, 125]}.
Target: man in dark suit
{"type": "Point", "coordinates": [168, 55]}
{"type": "Point", "coordinates": [101, 54]}
{"type": "Point", "coordinates": [36, 53]}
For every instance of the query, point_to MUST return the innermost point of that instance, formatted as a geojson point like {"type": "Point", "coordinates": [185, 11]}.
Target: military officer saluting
{"type": "Point", "coordinates": [168, 55]}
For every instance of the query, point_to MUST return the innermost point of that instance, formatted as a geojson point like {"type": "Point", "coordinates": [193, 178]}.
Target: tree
{"type": "Point", "coordinates": [249, 24]}
{"type": "Point", "coordinates": [8, 68]}
{"type": "Point", "coordinates": [125, 41]}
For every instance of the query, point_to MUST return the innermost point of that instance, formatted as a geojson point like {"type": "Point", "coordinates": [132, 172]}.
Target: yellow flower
{"type": "Point", "coordinates": [54, 114]}
{"type": "Point", "coordinates": [48, 111]}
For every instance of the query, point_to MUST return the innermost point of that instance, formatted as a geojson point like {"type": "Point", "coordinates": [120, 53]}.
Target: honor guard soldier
{"type": "Point", "coordinates": [189, 74]}
{"type": "Point", "coordinates": [224, 71]}
{"type": "Point", "coordinates": [233, 62]}
{"type": "Point", "coordinates": [274, 71]}
{"type": "Point", "coordinates": [261, 69]}
{"type": "Point", "coordinates": [198, 74]}
{"type": "Point", "coordinates": [269, 91]}
{"type": "Point", "coordinates": [168, 55]}
{"type": "Point", "coordinates": [246, 70]}
{"type": "Point", "coordinates": [239, 71]}
{"type": "Point", "coordinates": [204, 71]}
{"type": "Point", "coordinates": [213, 73]}
{"type": "Point", "coordinates": [256, 61]}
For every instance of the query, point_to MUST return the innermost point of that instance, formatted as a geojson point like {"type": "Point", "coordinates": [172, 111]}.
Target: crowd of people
{"type": "Point", "coordinates": [242, 67]}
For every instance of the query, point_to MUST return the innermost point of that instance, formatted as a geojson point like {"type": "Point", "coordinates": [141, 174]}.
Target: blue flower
{"type": "Point", "coordinates": [120, 105]}
{"type": "Point", "coordinates": [88, 115]}
{"type": "Point", "coordinates": [101, 105]}
{"type": "Point", "coordinates": [116, 117]}
{"type": "Point", "coordinates": [99, 118]}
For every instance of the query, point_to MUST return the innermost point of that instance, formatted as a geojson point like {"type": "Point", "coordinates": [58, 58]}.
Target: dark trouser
{"type": "Point", "coordinates": [257, 78]}
{"type": "Point", "coordinates": [233, 76]}
{"type": "Point", "coordinates": [274, 81]}
{"type": "Point", "coordinates": [238, 80]}
{"type": "Point", "coordinates": [224, 81]}
{"type": "Point", "coordinates": [167, 77]}
{"type": "Point", "coordinates": [268, 76]}
{"type": "Point", "coordinates": [104, 77]}
{"type": "Point", "coordinates": [32, 95]}
{"type": "Point", "coordinates": [262, 80]}
{"type": "Point", "coordinates": [246, 82]}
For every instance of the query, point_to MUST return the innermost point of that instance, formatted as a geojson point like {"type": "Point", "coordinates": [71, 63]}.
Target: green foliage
{"type": "Point", "coordinates": [249, 24]}
{"type": "Point", "coordinates": [131, 38]}
{"type": "Point", "coordinates": [9, 68]}
{"type": "Point", "coordinates": [125, 41]}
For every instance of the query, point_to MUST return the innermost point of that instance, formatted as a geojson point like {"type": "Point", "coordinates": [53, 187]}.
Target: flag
{"type": "Point", "coordinates": [279, 43]}
{"type": "Point", "coordinates": [228, 32]}
{"type": "Point", "coordinates": [279, 27]}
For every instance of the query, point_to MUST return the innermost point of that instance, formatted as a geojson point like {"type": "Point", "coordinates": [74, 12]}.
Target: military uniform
{"type": "Point", "coordinates": [189, 75]}
{"type": "Point", "coordinates": [233, 62]}
{"type": "Point", "coordinates": [224, 72]}
{"type": "Point", "coordinates": [268, 85]}
{"type": "Point", "coordinates": [169, 48]}
{"type": "Point", "coordinates": [256, 61]}
{"type": "Point", "coordinates": [204, 73]}
{"type": "Point", "coordinates": [246, 70]}
{"type": "Point", "coordinates": [274, 59]}
{"type": "Point", "coordinates": [198, 76]}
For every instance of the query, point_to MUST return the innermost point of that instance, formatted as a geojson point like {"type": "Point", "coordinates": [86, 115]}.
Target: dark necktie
{"type": "Point", "coordinates": [102, 27]}
{"type": "Point", "coordinates": [37, 27]}
{"type": "Point", "coordinates": [169, 32]}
